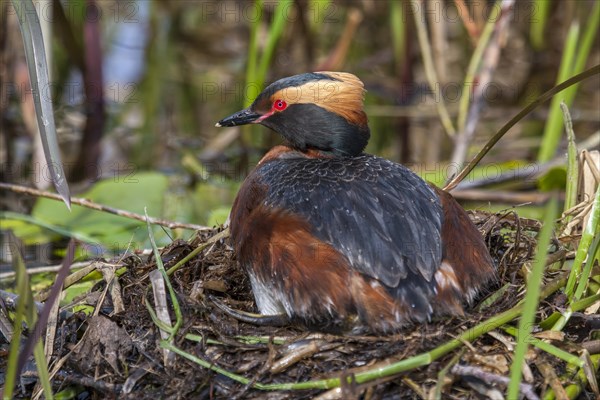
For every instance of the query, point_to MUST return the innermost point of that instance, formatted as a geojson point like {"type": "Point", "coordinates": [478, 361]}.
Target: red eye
{"type": "Point", "coordinates": [279, 105]}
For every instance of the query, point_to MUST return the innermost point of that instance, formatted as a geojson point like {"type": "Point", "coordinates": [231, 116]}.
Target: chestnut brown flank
{"type": "Point", "coordinates": [308, 273]}
{"type": "Point", "coordinates": [466, 254]}
{"type": "Point", "coordinates": [312, 276]}
{"type": "Point", "coordinates": [318, 281]}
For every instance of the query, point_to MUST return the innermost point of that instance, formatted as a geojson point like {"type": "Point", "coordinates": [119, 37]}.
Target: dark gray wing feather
{"type": "Point", "coordinates": [383, 217]}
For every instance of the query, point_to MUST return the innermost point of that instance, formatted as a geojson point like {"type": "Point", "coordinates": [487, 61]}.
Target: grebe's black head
{"type": "Point", "coordinates": [320, 110]}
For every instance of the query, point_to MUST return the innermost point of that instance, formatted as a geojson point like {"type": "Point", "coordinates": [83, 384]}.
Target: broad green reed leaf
{"type": "Point", "coordinates": [37, 65]}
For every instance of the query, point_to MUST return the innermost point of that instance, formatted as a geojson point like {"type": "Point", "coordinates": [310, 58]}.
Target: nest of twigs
{"type": "Point", "coordinates": [118, 352]}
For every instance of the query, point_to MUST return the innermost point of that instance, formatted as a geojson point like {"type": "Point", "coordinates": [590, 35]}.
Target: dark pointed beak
{"type": "Point", "coordinates": [243, 117]}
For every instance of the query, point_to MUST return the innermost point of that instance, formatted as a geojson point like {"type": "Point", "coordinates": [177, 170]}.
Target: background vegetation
{"type": "Point", "coordinates": [138, 86]}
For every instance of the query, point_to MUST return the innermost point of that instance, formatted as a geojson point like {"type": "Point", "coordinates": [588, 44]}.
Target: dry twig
{"type": "Point", "coordinates": [100, 207]}
{"type": "Point", "coordinates": [470, 370]}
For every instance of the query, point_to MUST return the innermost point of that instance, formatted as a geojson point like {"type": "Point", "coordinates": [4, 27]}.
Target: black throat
{"type": "Point", "coordinates": [308, 126]}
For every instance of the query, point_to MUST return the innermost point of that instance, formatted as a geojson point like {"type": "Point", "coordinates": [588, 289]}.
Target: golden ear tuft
{"type": "Point", "coordinates": [346, 77]}
{"type": "Point", "coordinates": [344, 95]}
{"type": "Point", "coordinates": [348, 99]}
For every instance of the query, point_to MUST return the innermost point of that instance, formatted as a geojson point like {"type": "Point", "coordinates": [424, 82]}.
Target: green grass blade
{"type": "Point", "coordinates": [552, 130]}
{"type": "Point", "coordinates": [585, 44]}
{"type": "Point", "coordinates": [573, 62]}
{"type": "Point", "coordinates": [531, 299]}
{"type": "Point", "coordinates": [548, 348]}
{"type": "Point", "coordinates": [281, 13]}
{"type": "Point", "coordinates": [397, 18]}
{"type": "Point", "coordinates": [252, 88]}
{"type": "Point", "coordinates": [38, 350]}
{"type": "Point", "coordinates": [161, 268]}
{"type": "Point", "coordinates": [590, 230]}
{"type": "Point", "coordinates": [35, 55]}
{"type": "Point", "coordinates": [538, 23]}
{"type": "Point", "coordinates": [19, 318]}
{"type": "Point", "coordinates": [572, 165]}
{"type": "Point", "coordinates": [492, 298]}
{"type": "Point", "coordinates": [580, 379]}
{"type": "Point", "coordinates": [42, 369]}
{"type": "Point", "coordinates": [558, 320]}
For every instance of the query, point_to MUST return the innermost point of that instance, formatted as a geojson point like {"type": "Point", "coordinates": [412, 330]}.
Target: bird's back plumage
{"type": "Point", "coordinates": [383, 217]}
